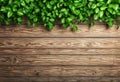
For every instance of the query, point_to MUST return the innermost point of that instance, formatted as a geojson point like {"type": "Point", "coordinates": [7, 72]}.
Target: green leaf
{"type": "Point", "coordinates": [96, 10]}
{"type": "Point", "coordinates": [101, 14]}
{"type": "Point", "coordinates": [63, 20]}
{"type": "Point", "coordinates": [20, 13]}
{"type": "Point", "coordinates": [96, 16]}
{"type": "Point", "coordinates": [109, 1]}
{"type": "Point", "coordinates": [103, 8]}
{"type": "Point", "coordinates": [110, 23]}
{"type": "Point", "coordinates": [50, 26]}
{"type": "Point", "coordinates": [75, 28]}
{"type": "Point", "coordinates": [9, 14]}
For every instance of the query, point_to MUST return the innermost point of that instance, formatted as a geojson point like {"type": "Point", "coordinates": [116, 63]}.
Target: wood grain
{"type": "Point", "coordinates": [60, 71]}
{"type": "Point", "coordinates": [60, 43]}
{"type": "Point", "coordinates": [60, 60]}
{"type": "Point", "coordinates": [84, 31]}
{"type": "Point", "coordinates": [36, 55]}
{"type": "Point", "coordinates": [59, 79]}
{"type": "Point", "coordinates": [40, 51]}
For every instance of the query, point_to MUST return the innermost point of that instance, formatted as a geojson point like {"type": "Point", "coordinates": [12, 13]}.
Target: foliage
{"type": "Point", "coordinates": [67, 11]}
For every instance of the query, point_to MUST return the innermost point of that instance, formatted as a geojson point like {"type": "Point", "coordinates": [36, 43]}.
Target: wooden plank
{"type": "Point", "coordinates": [60, 51]}
{"type": "Point", "coordinates": [60, 60]}
{"type": "Point", "coordinates": [59, 79]}
{"type": "Point", "coordinates": [60, 71]}
{"type": "Point", "coordinates": [60, 43]}
{"type": "Point", "coordinates": [84, 31]}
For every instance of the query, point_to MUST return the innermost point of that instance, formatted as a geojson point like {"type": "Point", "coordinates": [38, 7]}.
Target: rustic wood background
{"type": "Point", "coordinates": [37, 55]}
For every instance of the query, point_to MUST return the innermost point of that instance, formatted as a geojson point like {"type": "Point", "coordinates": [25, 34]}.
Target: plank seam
{"type": "Point", "coordinates": [62, 54]}
{"type": "Point", "coordinates": [53, 48]}
{"type": "Point", "coordinates": [60, 66]}
{"type": "Point", "coordinates": [59, 37]}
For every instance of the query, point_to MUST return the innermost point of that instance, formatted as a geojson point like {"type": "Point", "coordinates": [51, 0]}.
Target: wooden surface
{"type": "Point", "coordinates": [37, 55]}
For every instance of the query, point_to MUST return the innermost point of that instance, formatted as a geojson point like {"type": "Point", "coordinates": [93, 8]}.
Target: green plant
{"type": "Point", "coordinates": [105, 10]}
{"type": "Point", "coordinates": [69, 12]}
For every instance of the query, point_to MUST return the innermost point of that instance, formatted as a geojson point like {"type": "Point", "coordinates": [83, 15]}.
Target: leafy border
{"type": "Point", "coordinates": [69, 12]}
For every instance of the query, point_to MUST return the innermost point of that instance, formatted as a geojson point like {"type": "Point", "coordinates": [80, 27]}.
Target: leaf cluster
{"type": "Point", "coordinates": [68, 12]}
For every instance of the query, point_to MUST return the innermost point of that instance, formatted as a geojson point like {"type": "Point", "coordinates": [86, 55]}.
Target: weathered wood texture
{"type": "Point", "coordinates": [60, 71]}
{"type": "Point", "coordinates": [60, 43]}
{"type": "Point", "coordinates": [37, 55]}
{"type": "Point", "coordinates": [60, 79]}
{"type": "Point", "coordinates": [59, 60]}
{"type": "Point", "coordinates": [58, 51]}
{"type": "Point", "coordinates": [84, 31]}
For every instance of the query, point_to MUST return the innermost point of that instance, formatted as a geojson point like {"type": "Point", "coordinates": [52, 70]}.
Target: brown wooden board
{"type": "Point", "coordinates": [58, 31]}
{"type": "Point", "coordinates": [36, 55]}
{"type": "Point", "coordinates": [111, 71]}
{"type": "Point", "coordinates": [60, 79]}
{"type": "Point", "coordinates": [40, 51]}
{"type": "Point", "coordinates": [113, 60]}
{"type": "Point", "coordinates": [60, 43]}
